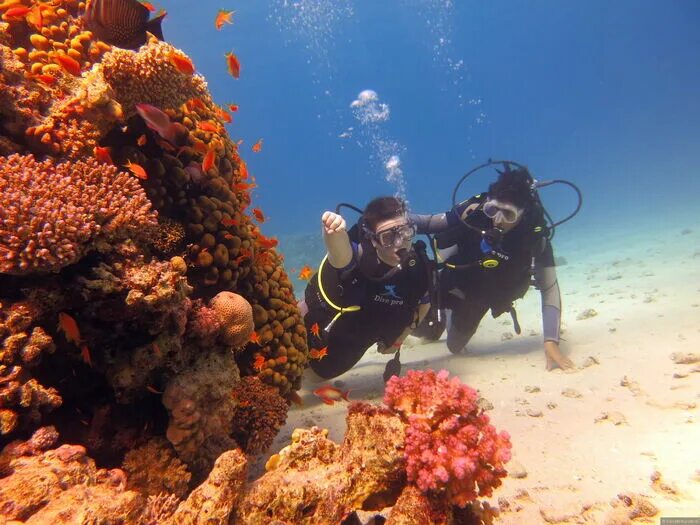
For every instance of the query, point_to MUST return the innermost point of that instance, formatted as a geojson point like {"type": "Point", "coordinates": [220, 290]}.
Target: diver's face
{"type": "Point", "coordinates": [390, 237]}
{"type": "Point", "coordinates": [504, 215]}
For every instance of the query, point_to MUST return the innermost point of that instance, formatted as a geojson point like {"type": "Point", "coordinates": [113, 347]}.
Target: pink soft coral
{"type": "Point", "coordinates": [450, 444]}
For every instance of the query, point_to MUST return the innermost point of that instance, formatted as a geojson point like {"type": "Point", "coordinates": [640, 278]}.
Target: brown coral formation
{"type": "Point", "coordinates": [22, 399]}
{"type": "Point", "coordinates": [236, 317]}
{"type": "Point", "coordinates": [153, 469]}
{"type": "Point", "coordinates": [47, 221]}
{"type": "Point", "coordinates": [260, 413]}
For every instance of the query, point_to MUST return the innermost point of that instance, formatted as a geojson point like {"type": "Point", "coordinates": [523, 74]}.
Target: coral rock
{"type": "Point", "coordinates": [153, 469]}
{"type": "Point", "coordinates": [236, 316]}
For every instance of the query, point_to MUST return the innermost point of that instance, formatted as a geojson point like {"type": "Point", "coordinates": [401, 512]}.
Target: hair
{"type": "Point", "coordinates": [382, 209]}
{"type": "Point", "coordinates": [513, 186]}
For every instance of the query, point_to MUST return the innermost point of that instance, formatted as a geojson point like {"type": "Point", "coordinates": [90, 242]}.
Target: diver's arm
{"type": "Point", "coordinates": [436, 223]}
{"type": "Point", "coordinates": [335, 236]}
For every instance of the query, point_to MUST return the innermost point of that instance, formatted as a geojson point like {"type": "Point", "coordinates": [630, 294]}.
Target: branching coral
{"type": "Point", "coordinates": [22, 398]}
{"type": "Point", "coordinates": [259, 415]}
{"type": "Point", "coordinates": [51, 215]}
{"type": "Point", "coordinates": [450, 445]}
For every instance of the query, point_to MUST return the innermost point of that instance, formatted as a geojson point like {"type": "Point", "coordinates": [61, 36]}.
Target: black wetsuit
{"type": "Point", "coordinates": [387, 306]}
{"type": "Point", "coordinates": [469, 292]}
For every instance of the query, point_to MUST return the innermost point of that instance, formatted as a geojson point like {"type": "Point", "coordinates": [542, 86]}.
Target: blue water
{"type": "Point", "coordinates": [602, 93]}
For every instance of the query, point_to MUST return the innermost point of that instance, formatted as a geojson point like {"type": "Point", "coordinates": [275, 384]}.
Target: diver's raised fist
{"type": "Point", "coordinates": [332, 222]}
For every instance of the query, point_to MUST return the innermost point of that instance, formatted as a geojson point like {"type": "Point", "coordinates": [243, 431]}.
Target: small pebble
{"type": "Point", "coordinates": [589, 361]}
{"type": "Point", "coordinates": [586, 314]}
{"type": "Point", "coordinates": [532, 389]}
{"type": "Point", "coordinates": [516, 470]}
{"type": "Point", "coordinates": [570, 392]}
{"type": "Point", "coordinates": [506, 336]}
{"type": "Point", "coordinates": [551, 405]}
{"type": "Point", "coordinates": [533, 412]}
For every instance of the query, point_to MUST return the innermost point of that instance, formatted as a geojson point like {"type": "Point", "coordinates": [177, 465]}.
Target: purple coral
{"type": "Point", "coordinates": [450, 445]}
{"type": "Point", "coordinates": [51, 215]}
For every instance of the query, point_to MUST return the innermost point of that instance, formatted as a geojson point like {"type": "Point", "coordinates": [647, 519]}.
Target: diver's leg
{"type": "Point", "coordinates": [347, 343]}
{"type": "Point", "coordinates": [464, 319]}
{"type": "Point", "coordinates": [430, 327]}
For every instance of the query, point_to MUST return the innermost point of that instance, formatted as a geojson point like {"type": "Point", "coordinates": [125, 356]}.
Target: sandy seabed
{"type": "Point", "coordinates": [628, 415]}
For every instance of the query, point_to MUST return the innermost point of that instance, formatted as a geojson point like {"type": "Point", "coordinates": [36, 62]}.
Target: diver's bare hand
{"type": "Point", "coordinates": [382, 348]}
{"type": "Point", "coordinates": [332, 222]}
{"type": "Point", "coordinates": [555, 358]}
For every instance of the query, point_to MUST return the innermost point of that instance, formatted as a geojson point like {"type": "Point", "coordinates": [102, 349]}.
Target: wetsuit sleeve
{"type": "Point", "coordinates": [439, 222]}
{"type": "Point", "coordinates": [546, 279]}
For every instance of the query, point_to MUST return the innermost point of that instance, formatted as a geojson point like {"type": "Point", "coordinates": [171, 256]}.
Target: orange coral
{"type": "Point", "coordinates": [236, 316]}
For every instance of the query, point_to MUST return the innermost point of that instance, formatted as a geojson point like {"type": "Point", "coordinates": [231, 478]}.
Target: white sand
{"type": "Point", "coordinates": [645, 287]}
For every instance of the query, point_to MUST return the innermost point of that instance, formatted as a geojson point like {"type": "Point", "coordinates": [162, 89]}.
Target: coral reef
{"type": "Point", "coordinates": [153, 469]}
{"type": "Point", "coordinates": [259, 414]}
{"type": "Point", "coordinates": [22, 398]}
{"type": "Point", "coordinates": [201, 409]}
{"type": "Point", "coordinates": [236, 317]}
{"type": "Point", "coordinates": [450, 445]}
{"type": "Point", "coordinates": [46, 221]}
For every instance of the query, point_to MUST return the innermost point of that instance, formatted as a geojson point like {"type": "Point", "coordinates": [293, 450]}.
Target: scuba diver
{"type": "Point", "coordinates": [492, 248]}
{"type": "Point", "coordinates": [371, 287]}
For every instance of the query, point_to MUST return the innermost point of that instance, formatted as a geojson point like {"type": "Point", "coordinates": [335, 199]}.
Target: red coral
{"type": "Point", "coordinates": [450, 444]}
{"type": "Point", "coordinates": [203, 323]}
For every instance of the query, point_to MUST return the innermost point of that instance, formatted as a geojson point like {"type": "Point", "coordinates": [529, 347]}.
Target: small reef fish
{"type": "Point", "coordinates": [17, 12]}
{"type": "Point", "coordinates": [255, 338]}
{"type": "Point", "coordinates": [315, 330]}
{"type": "Point", "coordinates": [69, 328]}
{"type": "Point", "coordinates": [267, 242]}
{"type": "Point", "coordinates": [242, 186]}
{"type": "Point", "coordinates": [233, 107]}
{"type": "Point", "coordinates": [102, 155]}
{"type": "Point", "coordinates": [141, 141]}
{"type": "Point", "coordinates": [136, 169]}
{"type": "Point", "coordinates": [122, 23]}
{"type": "Point", "coordinates": [152, 390]}
{"type": "Point", "coordinates": [229, 222]}
{"type": "Point", "coordinates": [148, 5]}
{"type": "Point", "coordinates": [234, 66]}
{"type": "Point", "coordinates": [209, 160]}
{"type": "Point", "coordinates": [330, 394]}
{"type": "Point", "coordinates": [69, 64]}
{"type": "Point", "coordinates": [224, 115]}
{"type": "Point", "coordinates": [158, 121]}
{"type": "Point", "coordinates": [259, 215]}
{"type": "Point", "coordinates": [243, 170]}
{"type": "Point", "coordinates": [259, 363]}
{"type": "Point", "coordinates": [319, 354]}
{"type": "Point", "coordinates": [183, 64]}
{"type": "Point", "coordinates": [196, 103]}
{"type": "Point", "coordinates": [208, 126]}
{"type": "Point", "coordinates": [156, 349]}
{"type": "Point", "coordinates": [257, 147]}
{"type": "Point", "coordinates": [49, 80]}
{"type": "Point", "coordinates": [305, 273]}
{"type": "Point", "coordinates": [223, 17]}
{"type": "Point", "coordinates": [85, 354]}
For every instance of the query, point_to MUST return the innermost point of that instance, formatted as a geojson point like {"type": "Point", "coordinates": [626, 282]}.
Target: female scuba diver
{"type": "Point", "coordinates": [372, 287]}
{"type": "Point", "coordinates": [492, 247]}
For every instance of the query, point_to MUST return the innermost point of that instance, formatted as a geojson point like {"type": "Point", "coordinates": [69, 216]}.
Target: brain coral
{"type": "Point", "coordinates": [236, 316]}
{"type": "Point", "coordinates": [51, 215]}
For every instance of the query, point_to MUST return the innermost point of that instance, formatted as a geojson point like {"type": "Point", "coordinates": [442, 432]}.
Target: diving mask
{"type": "Point", "coordinates": [395, 237]}
{"type": "Point", "coordinates": [501, 211]}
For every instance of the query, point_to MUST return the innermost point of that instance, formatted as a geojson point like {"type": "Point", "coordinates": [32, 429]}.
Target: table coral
{"type": "Point", "coordinates": [450, 445]}
{"type": "Point", "coordinates": [52, 214]}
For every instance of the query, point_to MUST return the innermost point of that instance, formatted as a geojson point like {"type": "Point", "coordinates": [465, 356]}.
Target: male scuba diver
{"type": "Point", "coordinates": [496, 244]}
{"type": "Point", "coordinates": [372, 287]}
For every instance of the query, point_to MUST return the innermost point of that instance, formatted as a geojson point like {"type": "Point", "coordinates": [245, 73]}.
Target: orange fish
{"type": "Point", "coordinates": [330, 394]}
{"type": "Point", "coordinates": [208, 126]}
{"type": "Point", "coordinates": [156, 349]}
{"type": "Point", "coordinates": [136, 169]}
{"type": "Point", "coordinates": [141, 140]}
{"type": "Point", "coordinates": [200, 147]}
{"type": "Point", "coordinates": [228, 236]}
{"type": "Point", "coordinates": [242, 186]}
{"type": "Point", "coordinates": [254, 338]}
{"type": "Point", "coordinates": [165, 144]}
{"type": "Point", "coordinates": [196, 103]}
{"type": "Point", "coordinates": [17, 12]}
{"type": "Point", "coordinates": [233, 107]}
{"type": "Point", "coordinates": [234, 66]}
{"type": "Point", "coordinates": [222, 17]}
{"type": "Point", "coordinates": [209, 160]}
{"type": "Point", "coordinates": [229, 222]}
{"type": "Point", "coordinates": [36, 18]}
{"type": "Point", "coordinates": [259, 363]}
{"type": "Point", "coordinates": [102, 155]}
{"type": "Point", "coordinates": [69, 328]}
{"type": "Point", "coordinates": [257, 147]}
{"type": "Point", "coordinates": [305, 273]}
{"type": "Point", "coordinates": [315, 329]}
{"type": "Point", "coordinates": [46, 79]}
{"type": "Point", "coordinates": [259, 215]}
{"type": "Point", "coordinates": [153, 390]}
{"type": "Point", "coordinates": [70, 64]}
{"type": "Point", "coordinates": [319, 354]}
{"type": "Point", "coordinates": [224, 115]}
{"type": "Point", "coordinates": [85, 354]}
{"type": "Point", "coordinates": [182, 63]}
{"type": "Point", "coordinates": [243, 169]}
{"type": "Point", "coordinates": [148, 5]}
